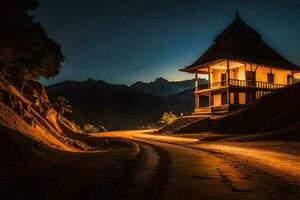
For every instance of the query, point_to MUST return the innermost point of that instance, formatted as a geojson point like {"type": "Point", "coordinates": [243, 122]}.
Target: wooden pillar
{"type": "Point", "coordinates": [228, 96]}
{"type": "Point", "coordinates": [196, 82]}
{"type": "Point", "coordinates": [196, 95]}
{"type": "Point", "coordinates": [256, 68]}
{"type": "Point", "coordinates": [292, 77]}
{"type": "Point", "coordinates": [228, 82]}
{"type": "Point", "coordinates": [209, 84]}
{"type": "Point", "coordinates": [245, 71]}
{"type": "Point", "coordinates": [197, 103]}
{"type": "Point", "coordinates": [228, 73]}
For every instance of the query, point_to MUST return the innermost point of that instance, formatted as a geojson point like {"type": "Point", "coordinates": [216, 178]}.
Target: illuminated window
{"type": "Point", "coordinates": [232, 98]}
{"type": "Point", "coordinates": [242, 98]}
{"type": "Point", "coordinates": [217, 99]}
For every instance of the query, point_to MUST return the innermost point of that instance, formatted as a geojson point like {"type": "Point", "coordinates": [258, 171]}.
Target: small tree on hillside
{"type": "Point", "coordinates": [62, 105]}
{"type": "Point", "coordinates": [168, 118]}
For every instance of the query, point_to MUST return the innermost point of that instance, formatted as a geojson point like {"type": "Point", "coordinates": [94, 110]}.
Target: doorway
{"type": "Point", "coordinates": [223, 79]}
{"type": "Point", "coordinates": [250, 78]}
{"type": "Point", "coordinates": [223, 98]}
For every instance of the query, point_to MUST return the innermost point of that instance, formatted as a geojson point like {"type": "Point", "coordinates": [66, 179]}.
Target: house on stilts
{"type": "Point", "coordinates": [240, 68]}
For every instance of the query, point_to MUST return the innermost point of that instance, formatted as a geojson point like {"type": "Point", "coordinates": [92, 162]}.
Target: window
{"type": "Point", "coordinates": [217, 99]}
{"type": "Point", "coordinates": [270, 78]}
{"type": "Point", "coordinates": [232, 98]}
{"type": "Point", "coordinates": [242, 98]}
{"type": "Point", "coordinates": [250, 78]}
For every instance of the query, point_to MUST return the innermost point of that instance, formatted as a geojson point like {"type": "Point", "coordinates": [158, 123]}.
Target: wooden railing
{"type": "Point", "coordinates": [241, 83]}
{"type": "Point", "coordinates": [212, 85]}
{"type": "Point", "coordinates": [219, 84]}
{"type": "Point", "coordinates": [257, 84]}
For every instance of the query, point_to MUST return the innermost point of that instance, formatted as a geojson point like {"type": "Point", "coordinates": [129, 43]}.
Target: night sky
{"type": "Point", "coordinates": [126, 41]}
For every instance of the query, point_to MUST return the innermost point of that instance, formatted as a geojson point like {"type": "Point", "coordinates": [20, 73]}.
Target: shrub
{"type": "Point", "coordinates": [102, 129]}
{"type": "Point", "coordinates": [89, 128]}
{"type": "Point", "coordinates": [168, 118]}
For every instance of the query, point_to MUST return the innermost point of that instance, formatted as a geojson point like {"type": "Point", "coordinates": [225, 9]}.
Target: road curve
{"type": "Point", "coordinates": [172, 171]}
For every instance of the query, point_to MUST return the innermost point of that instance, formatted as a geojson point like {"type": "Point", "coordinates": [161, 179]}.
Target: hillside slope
{"type": "Point", "coordinates": [272, 112]}
{"type": "Point", "coordinates": [30, 113]}
{"type": "Point", "coordinates": [22, 114]}
{"type": "Point", "coordinates": [40, 153]}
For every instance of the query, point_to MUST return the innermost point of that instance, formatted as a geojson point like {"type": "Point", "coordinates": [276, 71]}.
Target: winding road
{"type": "Point", "coordinates": [174, 171]}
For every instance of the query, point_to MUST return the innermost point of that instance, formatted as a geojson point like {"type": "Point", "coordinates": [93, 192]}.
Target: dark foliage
{"type": "Point", "coordinates": [26, 53]}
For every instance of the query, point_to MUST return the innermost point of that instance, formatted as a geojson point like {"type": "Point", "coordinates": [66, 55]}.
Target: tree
{"type": "Point", "coordinates": [62, 105]}
{"type": "Point", "coordinates": [168, 118]}
{"type": "Point", "coordinates": [26, 52]}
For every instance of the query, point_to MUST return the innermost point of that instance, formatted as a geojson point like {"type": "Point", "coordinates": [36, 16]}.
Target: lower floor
{"type": "Point", "coordinates": [224, 100]}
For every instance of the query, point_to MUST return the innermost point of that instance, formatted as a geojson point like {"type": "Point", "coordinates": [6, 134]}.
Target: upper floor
{"type": "Point", "coordinates": [227, 73]}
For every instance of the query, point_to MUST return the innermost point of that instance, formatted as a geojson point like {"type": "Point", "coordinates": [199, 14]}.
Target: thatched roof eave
{"type": "Point", "coordinates": [194, 68]}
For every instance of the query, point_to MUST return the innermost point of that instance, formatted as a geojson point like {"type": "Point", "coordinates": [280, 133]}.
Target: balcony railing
{"type": "Point", "coordinates": [257, 84]}
{"type": "Point", "coordinates": [241, 83]}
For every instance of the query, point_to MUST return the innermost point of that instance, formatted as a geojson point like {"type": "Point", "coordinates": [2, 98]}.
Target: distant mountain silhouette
{"type": "Point", "coordinates": [115, 106]}
{"type": "Point", "coordinates": [162, 87]}
{"type": "Point", "coordinates": [184, 95]}
{"type": "Point", "coordinates": [188, 95]}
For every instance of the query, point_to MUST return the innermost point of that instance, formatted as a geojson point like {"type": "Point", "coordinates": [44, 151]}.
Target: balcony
{"type": "Point", "coordinates": [241, 83]}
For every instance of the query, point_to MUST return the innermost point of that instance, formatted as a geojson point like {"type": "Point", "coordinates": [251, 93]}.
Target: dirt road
{"type": "Point", "coordinates": [171, 171]}
{"type": "Point", "coordinates": [150, 167]}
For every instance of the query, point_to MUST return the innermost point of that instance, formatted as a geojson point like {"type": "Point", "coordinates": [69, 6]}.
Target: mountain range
{"type": "Point", "coordinates": [120, 106]}
{"type": "Point", "coordinates": [162, 87]}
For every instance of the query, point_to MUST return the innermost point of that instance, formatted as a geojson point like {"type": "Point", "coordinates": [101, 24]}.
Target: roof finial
{"type": "Point", "coordinates": [237, 13]}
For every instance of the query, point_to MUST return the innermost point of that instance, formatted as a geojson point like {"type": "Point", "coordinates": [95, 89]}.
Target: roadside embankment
{"type": "Point", "coordinates": [32, 170]}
